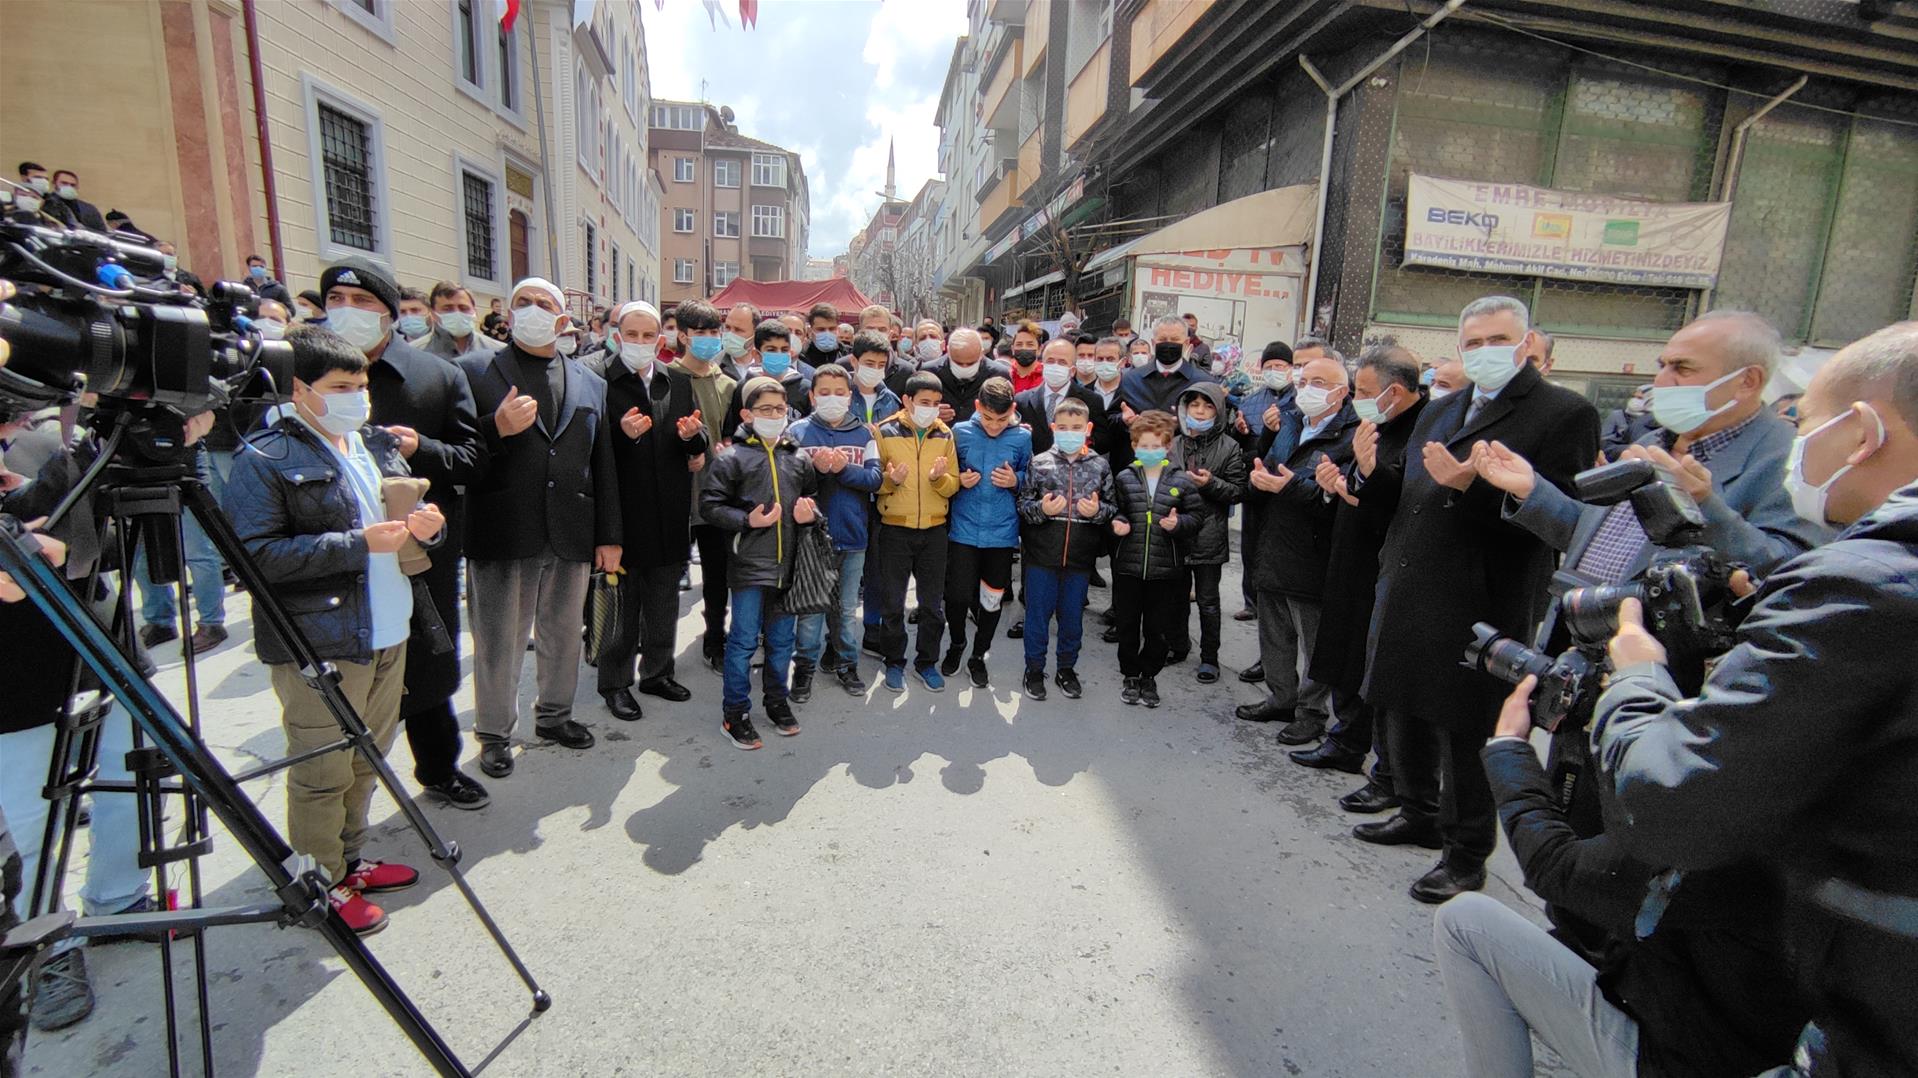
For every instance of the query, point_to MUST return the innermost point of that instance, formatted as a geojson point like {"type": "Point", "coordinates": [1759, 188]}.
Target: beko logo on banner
{"type": "Point", "coordinates": [1438, 215]}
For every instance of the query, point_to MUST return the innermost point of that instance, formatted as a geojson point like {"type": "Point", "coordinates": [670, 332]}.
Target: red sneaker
{"type": "Point", "coordinates": [360, 915]}
{"type": "Point", "coordinates": [377, 876]}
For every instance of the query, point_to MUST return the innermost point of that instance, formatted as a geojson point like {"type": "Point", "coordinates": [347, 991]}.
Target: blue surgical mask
{"type": "Point", "coordinates": [733, 344]}
{"type": "Point", "coordinates": [826, 342]}
{"type": "Point", "coordinates": [258, 272]}
{"type": "Point", "coordinates": [705, 349]}
{"type": "Point", "coordinates": [1198, 426]}
{"type": "Point", "coordinates": [1069, 441]}
{"type": "Point", "coordinates": [775, 363]}
{"type": "Point", "coordinates": [1425, 379]}
{"type": "Point", "coordinates": [1151, 458]}
{"type": "Point", "coordinates": [1491, 366]}
{"type": "Point", "coordinates": [412, 325]}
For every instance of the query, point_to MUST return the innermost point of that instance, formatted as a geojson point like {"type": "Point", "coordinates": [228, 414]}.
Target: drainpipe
{"type": "Point", "coordinates": [266, 139]}
{"type": "Point", "coordinates": [1332, 96]}
{"type": "Point", "coordinates": [1728, 187]}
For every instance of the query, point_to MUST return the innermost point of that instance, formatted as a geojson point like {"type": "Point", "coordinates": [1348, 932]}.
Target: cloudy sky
{"type": "Point", "coordinates": [833, 80]}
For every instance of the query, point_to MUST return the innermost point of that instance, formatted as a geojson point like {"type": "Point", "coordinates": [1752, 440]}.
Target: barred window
{"type": "Point", "coordinates": [590, 240]}
{"type": "Point", "coordinates": [346, 159]}
{"type": "Point", "coordinates": [477, 194]}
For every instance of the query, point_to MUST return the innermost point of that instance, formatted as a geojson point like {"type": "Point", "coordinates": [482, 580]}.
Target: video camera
{"type": "Point", "coordinates": [80, 322]}
{"type": "Point", "coordinates": [1685, 592]}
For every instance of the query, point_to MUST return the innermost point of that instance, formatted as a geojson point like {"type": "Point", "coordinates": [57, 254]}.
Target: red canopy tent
{"type": "Point", "coordinates": [773, 297]}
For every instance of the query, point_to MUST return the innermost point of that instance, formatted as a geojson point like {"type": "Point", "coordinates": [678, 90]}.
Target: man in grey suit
{"type": "Point", "coordinates": [1715, 437]}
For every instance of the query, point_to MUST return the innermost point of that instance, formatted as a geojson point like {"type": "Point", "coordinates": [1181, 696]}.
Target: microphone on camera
{"type": "Point", "coordinates": [113, 275]}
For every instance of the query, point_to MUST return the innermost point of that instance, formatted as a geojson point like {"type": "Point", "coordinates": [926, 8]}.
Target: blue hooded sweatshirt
{"type": "Point", "coordinates": [985, 515]}
{"type": "Point", "coordinates": [846, 496]}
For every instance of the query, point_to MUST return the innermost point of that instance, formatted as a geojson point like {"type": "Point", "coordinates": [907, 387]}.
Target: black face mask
{"type": "Point", "coordinates": [1025, 357]}
{"type": "Point", "coordinates": [1168, 353]}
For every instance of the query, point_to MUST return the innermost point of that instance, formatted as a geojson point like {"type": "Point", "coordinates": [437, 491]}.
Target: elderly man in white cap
{"type": "Point", "coordinates": [544, 512]}
{"type": "Point", "coordinates": [661, 443]}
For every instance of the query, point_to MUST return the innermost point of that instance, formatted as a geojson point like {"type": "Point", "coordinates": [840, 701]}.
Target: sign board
{"type": "Point", "coordinates": [1573, 235]}
{"type": "Point", "coordinates": [1243, 297]}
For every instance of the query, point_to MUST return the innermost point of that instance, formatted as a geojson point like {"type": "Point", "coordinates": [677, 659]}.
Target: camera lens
{"type": "Point", "coordinates": [1503, 657]}
{"type": "Point", "coordinates": [1591, 614]}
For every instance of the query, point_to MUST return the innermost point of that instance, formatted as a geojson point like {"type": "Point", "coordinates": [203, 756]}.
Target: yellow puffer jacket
{"type": "Point", "coordinates": [920, 501]}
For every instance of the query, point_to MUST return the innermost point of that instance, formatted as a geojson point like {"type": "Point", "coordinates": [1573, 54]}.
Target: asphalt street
{"type": "Point", "coordinates": [960, 883]}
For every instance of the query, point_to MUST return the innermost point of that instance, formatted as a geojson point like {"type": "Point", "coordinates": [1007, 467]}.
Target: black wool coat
{"type": "Point", "coordinates": [1295, 531]}
{"type": "Point", "coordinates": [655, 487]}
{"type": "Point", "coordinates": [1450, 559]}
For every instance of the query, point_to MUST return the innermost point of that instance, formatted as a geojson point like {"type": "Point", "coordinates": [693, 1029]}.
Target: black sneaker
{"type": "Point", "coordinates": [1148, 692]}
{"type": "Point", "coordinates": [739, 730]}
{"type": "Point", "coordinates": [781, 713]}
{"type": "Point", "coordinates": [1068, 682]}
{"type": "Point", "coordinates": [976, 670]}
{"type": "Point", "coordinates": [460, 792]}
{"type": "Point", "coordinates": [1035, 684]}
{"type": "Point", "coordinates": [802, 685]}
{"type": "Point", "coordinates": [850, 680]}
{"type": "Point", "coordinates": [949, 665]}
{"type": "Point", "coordinates": [1130, 694]}
{"type": "Point", "coordinates": [1111, 635]}
{"type": "Point", "coordinates": [1018, 630]}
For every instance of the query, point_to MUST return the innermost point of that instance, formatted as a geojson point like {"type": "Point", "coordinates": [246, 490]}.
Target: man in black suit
{"type": "Point", "coordinates": [1450, 559]}
{"type": "Point", "coordinates": [1035, 405]}
{"type": "Point", "coordinates": [963, 370]}
{"type": "Point", "coordinates": [67, 204]}
{"type": "Point", "coordinates": [426, 403]}
{"type": "Point", "coordinates": [543, 514]}
{"type": "Point", "coordinates": [661, 441]}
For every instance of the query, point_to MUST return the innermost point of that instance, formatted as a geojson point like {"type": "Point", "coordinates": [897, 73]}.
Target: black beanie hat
{"type": "Point", "coordinates": [1276, 350]}
{"type": "Point", "coordinates": [363, 273]}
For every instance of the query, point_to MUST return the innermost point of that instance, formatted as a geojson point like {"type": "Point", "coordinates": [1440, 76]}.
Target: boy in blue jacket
{"type": "Point", "coordinates": [847, 460]}
{"type": "Point", "coordinates": [994, 453]}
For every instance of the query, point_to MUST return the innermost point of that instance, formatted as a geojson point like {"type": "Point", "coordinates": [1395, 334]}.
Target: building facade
{"type": "Point", "coordinates": [404, 132]}
{"type": "Point", "coordinates": [733, 205]}
{"type": "Point", "coordinates": [1104, 120]}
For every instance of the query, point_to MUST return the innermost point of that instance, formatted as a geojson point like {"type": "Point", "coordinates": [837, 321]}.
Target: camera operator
{"type": "Point", "coordinates": [1801, 749]}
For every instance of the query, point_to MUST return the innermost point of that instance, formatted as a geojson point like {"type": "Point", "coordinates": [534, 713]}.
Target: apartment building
{"type": "Point", "coordinates": [732, 205]}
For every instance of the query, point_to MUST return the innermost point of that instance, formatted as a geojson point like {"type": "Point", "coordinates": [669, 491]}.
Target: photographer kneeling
{"type": "Point", "coordinates": [1801, 749]}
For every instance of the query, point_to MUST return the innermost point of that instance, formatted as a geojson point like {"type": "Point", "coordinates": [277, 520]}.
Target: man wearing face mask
{"type": "Point", "coordinates": [661, 431]}
{"type": "Point", "coordinates": [1625, 426]}
{"type": "Point", "coordinates": [963, 370]}
{"type": "Point", "coordinates": [65, 203]}
{"type": "Point", "coordinates": [262, 282]}
{"type": "Point", "coordinates": [426, 404]}
{"type": "Point", "coordinates": [545, 512]}
{"type": "Point", "coordinates": [1025, 356]}
{"type": "Point", "coordinates": [736, 343]}
{"type": "Point", "coordinates": [1450, 559]}
{"type": "Point", "coordinates": [1157, 387]}
{"type": "Point", "coordinates": [416, 318]}
{"type": "Point", "coordinates": [455, 332]}
{"type": "Point", "coordinates": [1056, 383]}
{"type": "Point", "coordinates": [1447, 378]}
{"type": "Point", "coordinates": [699, 325]}
{"type": "Point", "coordinates": [925, 350]}
{"type": "Point", "coordinates": [822, 344]}
{"type": "Point", "coordinates": [1800, 749]}
{"type": "Point", "coordinates": [1270, 406]}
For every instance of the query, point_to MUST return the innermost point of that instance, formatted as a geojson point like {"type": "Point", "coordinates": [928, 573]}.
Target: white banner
{"type": "Point", "coordinates": [1243, 298]}
{"type": "Point", "coordinates": [1512, 228]}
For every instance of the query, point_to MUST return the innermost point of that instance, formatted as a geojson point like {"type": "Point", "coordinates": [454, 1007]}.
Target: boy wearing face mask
{"type": "Point", "coordinates": [713, 392]}
{"type": "Point", "coordinates": [843, 452]}
{"type": "Point", "coordinates": [994, 452]}
{"type": "Point", "coordinates": [872, 399]}
{"type": "Point", "coordinates": [1158, 509]}
{"type": "Point", "coordinates": [1025, 357]}
{"type": "Point", "coordinates": [661, 433]}
{"type": "Point", "coordinates": [822, 345]}
{"type": "Point", "coordinates": [543, 514]}
{"type": "Point", "coordinates": [761, 491]}
{"type": "Point", "coordinates": [1063, 508]}
{"type": "Point", "coordinates": [1209, 455]}
{"type": "Point", "coordinates": [332, 556]}
{"type": "Point", "coordinates": [772, 357]}
{"type": "Point", "coordinates": [920, 476]}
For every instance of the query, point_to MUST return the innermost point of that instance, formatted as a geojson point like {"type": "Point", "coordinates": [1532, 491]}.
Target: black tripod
{"type": "Point", "coordinates": [151, 497]}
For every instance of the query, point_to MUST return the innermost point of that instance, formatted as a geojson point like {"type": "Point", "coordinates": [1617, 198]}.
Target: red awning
{"type": "Point", "coordinates": [778, 297]}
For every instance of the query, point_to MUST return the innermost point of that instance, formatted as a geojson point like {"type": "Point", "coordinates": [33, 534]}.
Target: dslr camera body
{"type": "Point", "coordinates": [1685, 592]}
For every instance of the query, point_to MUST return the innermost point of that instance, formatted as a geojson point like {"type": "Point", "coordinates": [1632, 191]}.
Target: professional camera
{"type": "Point", "coordinates": [81, 323]}
{"type": "Point", "coordinates": [1685, 592]}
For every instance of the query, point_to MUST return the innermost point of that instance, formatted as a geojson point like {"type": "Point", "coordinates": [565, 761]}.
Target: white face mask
{"type": "Point", "coordinates": [1106, 370]}
{"type": "Point", "coordinates": [1683, 409]}
{"type": "Point", "coordinates": [638, 357]}
{"type": "Point", "coordinates": [26, 202]}
{"type": "Point", "coordinates": [567, 345]}
{"type": "Point", "coordinates": [533, 327]}
{"type": "Point", "coordinates": [1142, 359]}
{"type": "Point", "coordinates": [1807, 500]}
{"type": "Point", "coordinates": [345, 412]}
{"type": "Point", "coordinates": [832, 409]}
{"type": "Point", "coordinates": [41, 184]}
{"type": "Point", "coordinates": [270, 328]}
{"type": "Point", "coordinates": [927, 350]}
{"type": "Point", "coordinates": [769, 430]}
{"type": "Point", "coordinates": [925, 415]}
{"type": "Point", "coordinates": [1276, 380]}
{"type": "Point", "coordinates": [1056, 376]}
{"type": "Point", "coordinates": [964, 371]}
{"type": "Point", "coordinates": [1439, 393]}
{"type": "Point", "coordinates": [1218, 366]}
{"type": "Point", "coordinates": [1315, 401]}
{"type": "Point", "coordinates": [1369, 409]}
{"type": "Point", "coordinates": [457, 323]}
{"type": "Point", "coordinates": [362, 329]}
{"type": "Point", "coordinates": [68, 191]}
{"type": "Point", "coordinates": [1086, 368]}
{"type": "Point", "coordinates": [870, 377]}
{"type": "Point", "coordinates": [1491, 366]}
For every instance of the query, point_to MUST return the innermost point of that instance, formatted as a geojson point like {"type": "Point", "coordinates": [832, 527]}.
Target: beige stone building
{"type": "Point", "coordinates": [307, 130]}
{"type": "Point", "coordinates": [733, 206]}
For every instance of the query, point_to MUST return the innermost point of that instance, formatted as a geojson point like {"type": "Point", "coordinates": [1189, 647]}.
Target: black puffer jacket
{"type": "Point", "coordinates": [1148, 551]}
{"type": "Point", "coordinates": [1068, 541]}
{"type": "Point", "coordinates": [1217, 453]}
{"type": "Point", "coordinates": [750, 474]}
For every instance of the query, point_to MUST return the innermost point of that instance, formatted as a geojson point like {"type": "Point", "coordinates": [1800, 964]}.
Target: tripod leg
{"type": "Point", "coordinates": [267, 610]}
{"type": "Point", "coordinates": [305, 896]}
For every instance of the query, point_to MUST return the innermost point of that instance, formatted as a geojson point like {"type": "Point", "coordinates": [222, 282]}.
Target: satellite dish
{"type": "Point", "coordinates": [726, 113]}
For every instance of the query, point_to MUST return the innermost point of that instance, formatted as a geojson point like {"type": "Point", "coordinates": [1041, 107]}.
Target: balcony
{"type": "Point", "coordinates": [1086, 96]}
{"type": "Point", "coordinates": [1000, 201]}
{"type": "Point", "coordinates": [1003, 91]}
{"type": "Point", "coordinates": [1010, 12]}
{"type": "Point", "coordinates": [1030, 165]}
{"type": "Point", "coordinates": [1158, 27]}
{"type": "Point", "coordinates": [1038, 21]}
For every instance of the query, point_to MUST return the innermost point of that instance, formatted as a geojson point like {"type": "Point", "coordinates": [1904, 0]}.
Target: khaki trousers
{"type": "Point", "coordinates": [327, 797]}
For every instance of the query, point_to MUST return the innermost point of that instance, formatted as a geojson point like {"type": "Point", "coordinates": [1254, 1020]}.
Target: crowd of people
{"type": "Point", "coordinates": [434, 460]}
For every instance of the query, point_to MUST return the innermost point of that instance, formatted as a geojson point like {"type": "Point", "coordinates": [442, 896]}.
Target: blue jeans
{"type": "Point", "coordinates": [115, 879]}
{"type": "Point", "coordinates": [751, 607]}
{"type": "Point", "coordinates": [1049, 592]}
{"type": "Point", "coordinates": [813, 627]}
{"type": "Point", "coordinates": [202, 564]}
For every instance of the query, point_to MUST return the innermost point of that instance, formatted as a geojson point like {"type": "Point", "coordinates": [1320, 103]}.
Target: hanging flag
{"type": "Point", "coordinates": [509, 13]}
{"type": "Point", "coordinates": [715, 16]}
{"type": "Point", "coordinates": [749, 13]}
